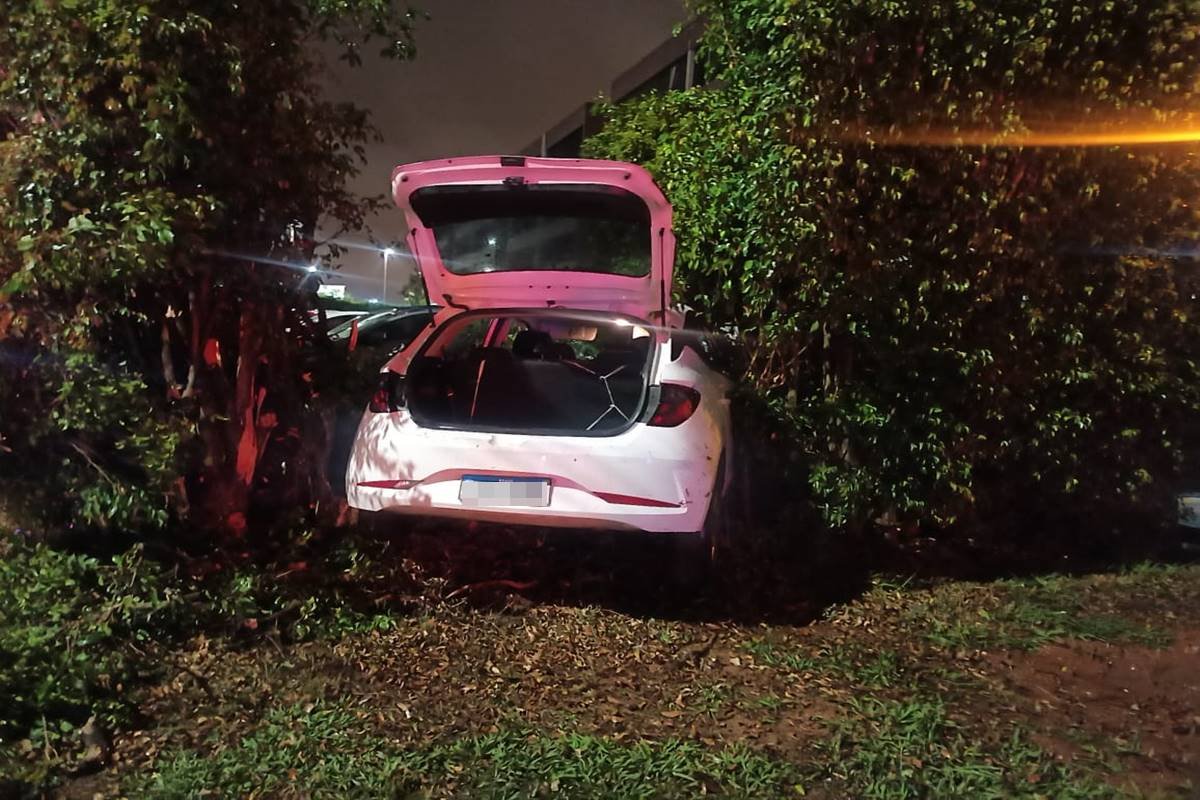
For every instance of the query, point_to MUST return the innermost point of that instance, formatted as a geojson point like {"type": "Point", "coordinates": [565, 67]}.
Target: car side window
{"type": "Point", "coordinates": [469, 336]}
{"type": "Point", "coordinates": [515, 328]}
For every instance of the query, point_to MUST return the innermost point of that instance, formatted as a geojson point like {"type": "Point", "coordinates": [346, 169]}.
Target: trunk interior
{"type": "Point", "coordinates": [531, 372]}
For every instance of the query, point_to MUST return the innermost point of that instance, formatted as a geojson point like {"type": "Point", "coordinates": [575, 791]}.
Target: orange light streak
{"type": "Point", "coordinates": [932, 137]}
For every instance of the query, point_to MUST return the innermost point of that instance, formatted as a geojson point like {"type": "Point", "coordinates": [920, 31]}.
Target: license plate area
{"type": "Point", "coordinates": [492, 490]}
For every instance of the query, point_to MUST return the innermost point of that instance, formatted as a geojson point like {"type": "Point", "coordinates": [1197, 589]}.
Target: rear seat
{"type": "Point", "coordinates": [496, 399]}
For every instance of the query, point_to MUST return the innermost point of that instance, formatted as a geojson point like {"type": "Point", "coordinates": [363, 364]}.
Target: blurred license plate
{"type": "Point", "coordinates": [487, 490]}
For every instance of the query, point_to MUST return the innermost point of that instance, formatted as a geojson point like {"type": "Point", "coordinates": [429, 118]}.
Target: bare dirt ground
{"type": "Point", "coordinates": [1141, 702]}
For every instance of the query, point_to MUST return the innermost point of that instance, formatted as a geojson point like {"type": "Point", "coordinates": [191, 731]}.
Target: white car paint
{"type": "Point", "coordinates": [647, 478]}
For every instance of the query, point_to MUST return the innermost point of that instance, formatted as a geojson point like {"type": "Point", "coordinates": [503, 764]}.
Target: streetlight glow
{"type": "Point", "coordinates": [387, 251]}
{"type": "Point", "coordinates": [312, 267]}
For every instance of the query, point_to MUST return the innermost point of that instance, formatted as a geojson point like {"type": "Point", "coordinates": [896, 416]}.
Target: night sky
{"type": "Point", "coordinates": [489, 77]}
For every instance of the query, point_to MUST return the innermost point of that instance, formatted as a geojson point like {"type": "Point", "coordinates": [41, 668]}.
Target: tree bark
{"type": "Point", "coordinates": [168, 361]}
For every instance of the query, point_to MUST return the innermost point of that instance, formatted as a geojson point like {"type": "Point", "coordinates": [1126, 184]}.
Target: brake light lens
{"type": "Point", "coordinates": [389, 394]}
{"type": "Point", "coordinates": [675, 404]}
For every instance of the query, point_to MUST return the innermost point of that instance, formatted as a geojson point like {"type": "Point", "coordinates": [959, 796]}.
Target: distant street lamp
{"type": "Point", "coordinates": [387, 253]}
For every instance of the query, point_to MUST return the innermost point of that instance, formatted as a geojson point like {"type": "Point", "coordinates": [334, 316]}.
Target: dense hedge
{"type": "Point", "coordinates": [162, 168]}
{"type": "Point", "coordinates": [960, 298]}
{"type": "Point", "coordinates": [75, 632]}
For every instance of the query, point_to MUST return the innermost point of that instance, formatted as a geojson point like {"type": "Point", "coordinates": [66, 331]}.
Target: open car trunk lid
{"type": "Point", "coordinates": [514, 231]}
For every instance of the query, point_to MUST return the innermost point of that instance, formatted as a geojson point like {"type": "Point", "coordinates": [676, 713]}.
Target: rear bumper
{"type": "Point", "coordinates": [648, 479]}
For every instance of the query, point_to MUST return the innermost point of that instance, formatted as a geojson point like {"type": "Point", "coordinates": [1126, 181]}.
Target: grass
{"type": "Point", "coordinates": [770, 702]}
{"type": "Point", "coordinates": [327, 749]}
{"type": "Point", "coordinates": [512, 764]}
{"type": "Point", "coordinates": [332, 751]}
{"type": "Point", "coordinates": [1024, 615]}
{"type": "Point", "coordinates": [306, 603]}
{"type": "Point", "coordinates": [895, 750]}
{"type": "Point", "coordinates": [79, 633]}
{"type": "Point", "coordinates": [904, 703]}
{"type": "Point", "coordinates": [899, 736]}
{"type": "Point", "coordinates": [1126, 607]}
{"type": "Point", "coordinates": [880, 750]}
{"type": "Point", "coordinates": [712, 698]}
{"type": "Point", "coordinates": [851, 663]}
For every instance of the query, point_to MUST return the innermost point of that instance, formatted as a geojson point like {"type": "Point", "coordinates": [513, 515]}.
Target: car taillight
{"type": "Point", "coordinates": [675, 404]}
{"type": "Point", "coordinates": [389, 394]}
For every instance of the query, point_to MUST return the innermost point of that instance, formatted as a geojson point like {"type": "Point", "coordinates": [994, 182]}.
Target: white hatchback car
{"type": "Point", "coordinates": [555, 386]}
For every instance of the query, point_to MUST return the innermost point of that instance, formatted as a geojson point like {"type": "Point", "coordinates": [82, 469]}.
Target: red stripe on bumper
{"type": "Point", "coordinates": [633, 500]}
{"type": "Point", "coordinates": [392, 484]}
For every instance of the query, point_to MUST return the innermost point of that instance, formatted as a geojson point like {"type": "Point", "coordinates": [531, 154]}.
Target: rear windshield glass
{"type": "Point", "coordinates": [570, 227]}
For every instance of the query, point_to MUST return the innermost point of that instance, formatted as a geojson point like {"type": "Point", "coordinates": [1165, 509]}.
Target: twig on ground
{"type": "Point", "coordinates": [516, 586]}
{"type": "Point", "coordinates": [277, 615]}
{"type": "Point", "coordinates": [201, 680]}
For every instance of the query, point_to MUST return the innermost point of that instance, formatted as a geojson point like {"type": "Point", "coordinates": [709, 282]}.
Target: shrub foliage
{"type": "Point", "coordinates": [73, 630]}
{"type": "Point", "coordinates": [160, 165]}
{"type": "Point", "coordinates": [960, 253]}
